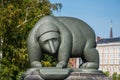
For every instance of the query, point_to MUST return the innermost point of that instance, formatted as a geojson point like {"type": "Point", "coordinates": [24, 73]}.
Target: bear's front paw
{"type": "Point", "coordinates": [31, 74]}
{"type": "Point", "coordinates": [89, 65]}
{"type": "Point", "coordinates": [36, 64]}
{"type": "Point", "coordinates": [61, 64]}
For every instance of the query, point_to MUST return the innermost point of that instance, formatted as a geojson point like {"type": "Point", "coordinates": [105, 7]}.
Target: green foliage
{"type": "Point", "coordinates": [107, 73]}
{"type": "Point", "coordinates": [48, 61]}
{"type": "Point", "coordinates": [17, 17]}
{"type": "Point", "coordinates": [114, 76]}
{"type": "Point", "coordinates": [118, 77]}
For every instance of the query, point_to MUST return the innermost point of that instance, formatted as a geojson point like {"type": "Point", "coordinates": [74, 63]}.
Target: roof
{"type": "Point", "coordinates": [108, 40]}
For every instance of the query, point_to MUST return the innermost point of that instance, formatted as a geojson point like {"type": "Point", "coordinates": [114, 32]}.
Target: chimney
{"type": "Point", "coordinates": [111, 32]}
{"type": "Point", "coordinates": [98, 38]}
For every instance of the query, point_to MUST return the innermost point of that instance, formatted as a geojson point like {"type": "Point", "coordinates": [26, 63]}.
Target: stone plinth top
{"type": "Point", "coordinates": [63, 74]}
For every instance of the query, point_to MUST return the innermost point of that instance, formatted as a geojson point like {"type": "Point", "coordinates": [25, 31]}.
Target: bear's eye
{"type": "Point", "coordinates": [54, 39]}
{"type": "Point", "coordinates": [46, 42]}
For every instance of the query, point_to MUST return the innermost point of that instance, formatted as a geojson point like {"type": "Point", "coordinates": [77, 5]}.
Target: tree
{"type": "Point", "coordinates": [115, 76]}
{"type": "Point", "coordinates": [17, 19]}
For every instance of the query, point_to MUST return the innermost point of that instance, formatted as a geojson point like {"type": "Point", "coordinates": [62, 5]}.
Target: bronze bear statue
{"type": "Point", "coordinates": [65, 36]}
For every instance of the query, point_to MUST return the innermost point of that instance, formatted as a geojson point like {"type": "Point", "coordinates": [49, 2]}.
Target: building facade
{"type": "Point", "coordinates": [109, 52]}
{"type": "Point", "coordinates": [74, 62]}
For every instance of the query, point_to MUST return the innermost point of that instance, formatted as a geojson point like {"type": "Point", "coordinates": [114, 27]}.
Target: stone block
{"type": "Point", "coordinates": [87, 76]}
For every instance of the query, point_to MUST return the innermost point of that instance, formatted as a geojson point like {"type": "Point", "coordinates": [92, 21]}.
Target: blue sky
{"type": "Point", "coordinates": [97, 13]}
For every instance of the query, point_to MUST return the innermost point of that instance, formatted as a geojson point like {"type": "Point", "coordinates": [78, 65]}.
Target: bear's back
{"type": "Point", "coordinates": [81, 32]}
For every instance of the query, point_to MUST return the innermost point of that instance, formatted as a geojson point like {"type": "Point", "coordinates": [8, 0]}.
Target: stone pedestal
{"type": "Point", "coordinates": [74, 76]}
{"type": "Point", "coordinates": [64, 74]}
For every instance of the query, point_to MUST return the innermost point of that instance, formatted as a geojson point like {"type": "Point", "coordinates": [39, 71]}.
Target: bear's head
{"type": "Point", "coordinates": [49, 38]}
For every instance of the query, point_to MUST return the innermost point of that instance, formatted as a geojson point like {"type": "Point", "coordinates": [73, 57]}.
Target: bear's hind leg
{"type": "Point", "coordinates": [91, 57]}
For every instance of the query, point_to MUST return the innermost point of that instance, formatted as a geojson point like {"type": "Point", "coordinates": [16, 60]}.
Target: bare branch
{"type": "Point", "coordinates": [2, 4]}
{"type": "Point", "coordinates": [29, 20]}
